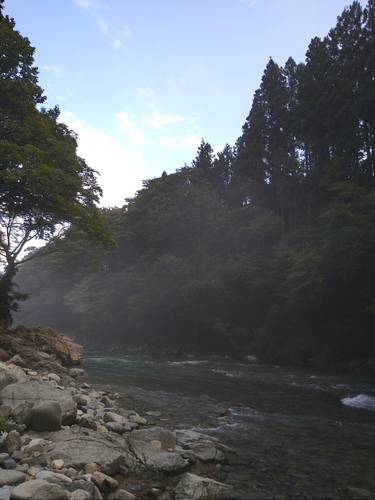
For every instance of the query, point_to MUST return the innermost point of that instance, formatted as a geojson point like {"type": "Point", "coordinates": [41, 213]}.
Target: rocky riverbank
{"type": "Point", "coordinates": [62, 439]}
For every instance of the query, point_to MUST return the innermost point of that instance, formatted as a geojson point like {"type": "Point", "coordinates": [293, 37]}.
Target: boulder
{"type": "Point", "coordinates": [103, 482]}
{"type": "Point", "coordinates": [78, 446]}
{"type": "Point", "coordinates": [166, 437]}
{"type": "Point", "coordinates": [45, 416]}
{"type": "Point", "coordinates": [115, 427]}
{"type": "Point", "coordinates": [203, 451]}
{"type": "Point", "coordinates": [114, 417]}
{"type": "Point", "coordinates": [152, 456]}
{"type": "Point", "coordinates": [11, 477]}
{"type": "Point", "coordinates": [37, 391]}
{"type": "Point", "coordinates": [38, 489]}
{"type": "Point", "coordinates": [200, 488]}
{"type": "Point", "coordinates": [10, 442]}
{"type": "Point", "coordinates": [79, 485]}
{"type": "Point", "coordinates": [124, 495]}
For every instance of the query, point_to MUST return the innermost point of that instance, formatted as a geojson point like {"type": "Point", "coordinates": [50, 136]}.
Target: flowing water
{"type": "Point", "coordinates": [299, 433]}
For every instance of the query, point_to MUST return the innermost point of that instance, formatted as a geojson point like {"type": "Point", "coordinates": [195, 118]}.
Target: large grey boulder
{"type": "Point", "coordinates": [153, 456]}
{"type": "Point", "coordinates": [166, 438]}
{"type": "Point", "coordinates": [200, 488]}
{"type": "Point", "coordinates": [78, 446]}
{"type": "Point", "coordinates": [45, 416]}
{"type": "Point", "coordinates": [205, 452]}
{"type": "Point", "coordinates": [11, 477]}
{"type": "Point", "coordinates": [39, 489]}
{"type": "Point", "coordinates": [37, 391]}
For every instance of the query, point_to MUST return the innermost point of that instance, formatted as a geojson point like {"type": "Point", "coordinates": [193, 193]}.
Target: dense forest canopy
{"type": "Point", "coordinates": [266, 248]}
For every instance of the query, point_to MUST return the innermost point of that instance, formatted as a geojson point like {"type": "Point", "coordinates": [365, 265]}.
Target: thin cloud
{"type": "Point", "coordinates": [123, 122]}
{"type": "Point", "coordinates": [191, 141]}
{"type": "Point", "coordinates": [147, 92]}
{"type": "Point", "coordinates": [103, 25]}
{"type": "Point", "coordinates": [87, 4]}
{"type": "Point", "coordinates": [56, 70]}
{"type": "Point", "coordinates": [252, 3]}
{"type": "Point", "coordinates": [158, 120]}
{"type": "Point", "coordinates": [118, 45]}
{"type": "Point", "coordinates": [126, 32]}
{"type": "Point", "coordinates": [120, 169]}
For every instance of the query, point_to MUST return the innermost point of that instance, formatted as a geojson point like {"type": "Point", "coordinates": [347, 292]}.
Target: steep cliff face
{"type": "Point", "coordinates": [39, 346]}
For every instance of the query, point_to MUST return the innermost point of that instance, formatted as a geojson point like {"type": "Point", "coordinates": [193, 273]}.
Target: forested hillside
{"type": "Point", "coordinates": [266, 248]}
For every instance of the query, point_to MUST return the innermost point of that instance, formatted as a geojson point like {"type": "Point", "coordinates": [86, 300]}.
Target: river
{"type": "Point", "coordinates": [299, 433]}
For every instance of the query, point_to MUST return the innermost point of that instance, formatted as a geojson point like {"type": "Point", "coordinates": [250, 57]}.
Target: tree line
{"type": "Point", "coordinates": [265, 248]}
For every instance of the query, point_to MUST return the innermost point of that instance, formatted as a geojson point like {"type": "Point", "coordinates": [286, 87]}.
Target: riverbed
{"type": "Point", "coordinates": [299, 433]}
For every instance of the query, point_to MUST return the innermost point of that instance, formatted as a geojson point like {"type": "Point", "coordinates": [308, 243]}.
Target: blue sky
{"type": "Point", "coordinates": [142, 81]}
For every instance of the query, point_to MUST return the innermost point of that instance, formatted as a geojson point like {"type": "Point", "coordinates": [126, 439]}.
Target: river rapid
{"type": "Point", "coordinates": [299, 433]}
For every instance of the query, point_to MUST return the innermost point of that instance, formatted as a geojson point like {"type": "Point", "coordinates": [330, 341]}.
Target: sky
{"type": "Point", "coordinates": [142, 82]}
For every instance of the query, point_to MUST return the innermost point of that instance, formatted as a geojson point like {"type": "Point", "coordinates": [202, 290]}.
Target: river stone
{"type": "Point", "coordinates": [11, 477]}
{"type": "Point", "coordinates": [200, 488]}
{"type": "Point", "coordinates": [38, 489]}
{"type": "Point", "coordinates": [53, 477]}
{"type": "Point", "coordinates": [124, 495]}
{"type": "Point", "coordinates": [78, 447]}
{"type": "Point", "coordinates": [203, 451]}
{"type": "Point", "coordinates": [80, 495]}
{"type": "Point", "coordinates": [115, 427]}
{"type": "Point", "coordinates": [103, 482]}
{"type": "Point", "coordinates": [114, 417]}
{"type": "Point", "coordinates": [87, 421]}
{"type": "Point", "coordinates": [5, 492]}
{"type": "Point", "coordinates": [166, 437]}
{"type": "Point", "coordinates": [11, 442]}
{"type": "Point", "coordinates": [36, 391]}
{"type": "Point", "coordinates": [151, 456]}
{"type": "Point", "coordinates": [81, 484]}
{"type": "Point", "coordinates": [45, 416]}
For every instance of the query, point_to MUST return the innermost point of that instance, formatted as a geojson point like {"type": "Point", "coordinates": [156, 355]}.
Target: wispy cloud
{"type": "Point", "coordinates": [56, 70]}
{"type": "Point", "coordinates": [252, 3]}
{"type": "Point", "coordinates": [120, 169]}
{"type": "Point", "coordinates": [123, 122]}
{"type": "Point", "coordinates": [159, 120]}
{"type": "Point", "coordinates": [105, 27]}
{"type": "Point", "coordinates": [146, 92]}
{"type": "Point", "coordinates": [191, 141]}
{"type": "Point", "coordinates": [118, 45]}
{"type": "Point", "coordinates": [87, 4]}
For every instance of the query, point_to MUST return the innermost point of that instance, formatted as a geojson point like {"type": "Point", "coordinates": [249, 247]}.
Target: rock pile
{"type": "Point", "coordinates": [63, 440]}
